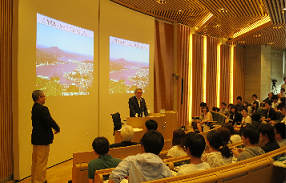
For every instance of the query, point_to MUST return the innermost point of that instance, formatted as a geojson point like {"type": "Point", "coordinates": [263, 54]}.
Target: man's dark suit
{"type": "Point", "coordinates": [134, 107]}
{"type": "Point", "coordinates": [42, 122]}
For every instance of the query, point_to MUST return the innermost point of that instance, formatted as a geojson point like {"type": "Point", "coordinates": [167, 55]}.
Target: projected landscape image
{"type": "Point", "coordinates": [129, 66]}
{"type": "Point", "coordinates": [64, 58]}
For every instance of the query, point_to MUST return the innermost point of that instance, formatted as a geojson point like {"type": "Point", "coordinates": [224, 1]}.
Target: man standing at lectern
{"type": "Point", "coordinates": [137, 104]}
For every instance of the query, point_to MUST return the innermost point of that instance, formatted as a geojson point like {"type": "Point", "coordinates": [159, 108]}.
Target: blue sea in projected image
{"type": "Point", "coordinates": [128, 69]}
{"type": "Point", "coordinates": [64, 62]}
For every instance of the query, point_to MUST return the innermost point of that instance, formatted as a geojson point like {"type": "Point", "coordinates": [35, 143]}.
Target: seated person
{"type": "Point", "coordinates": [151, 125]}
{"type": "Point", "coordinates": [275, 102]}
{"type": "Point", "coordinates": [218, 153]}
{"type": "Point", "coordinates": [279, 129]}
{"type": "Point", "coordinates": [255, 108]}
{"type": "Point", "coordinates": [207, 116]}
{"type": "Point", "coordinates": [146, 166]}
{"type": "Point", "coordinates": [239, 105]}
{"type": "Point", "coordinates": [225, 134]}
{"type": "Point", "coordinates": [250, 138]}
{"type": "Point", "coordinates": [271, 114]}
{"type": "Point", "coordinates": [127, 134]}
{"type": "Point", "coordinates": [267, 136]}
{"type": "Point", "coordinates": [223, 109]}
{"type": "Point", "coordinates": [178, 143]}
{"type": "Point", "coordinates": [246, 119]}
{"type": "Point", "coordinates": [233, 137]}
{"type": "Point", "coordinates": [269, 98]}
{"type": "Point", "coordinates": [235, 116]}
{"type": "Point", "coordinates": [195, 145]}
{"type": "Point", "coordinates": [101, 147]}
{"type": "Point", "coordinates": [254, 98]}
{"type": "Point", "coordinates": [282, 92]}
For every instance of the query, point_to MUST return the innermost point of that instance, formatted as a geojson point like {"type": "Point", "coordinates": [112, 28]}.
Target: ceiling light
{"type": "Point", "coordinates": [257, 35]}
{"type": "Point", "coordinates": [270, 43]}
{"type": "Point", "coordinates": [240, 42]}
{"type": "Point", "coordinates": [277, 27]}
{"type": "Point", "coordinates": [222, 10]}
{"type": "Point", "coordinates": [161, 1]}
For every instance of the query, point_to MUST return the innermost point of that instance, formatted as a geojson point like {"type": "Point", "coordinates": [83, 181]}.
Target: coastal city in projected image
{"type": "Point", "coordinates": [129, 66]}
{"type": "Point", "coordinates": [64, 58]}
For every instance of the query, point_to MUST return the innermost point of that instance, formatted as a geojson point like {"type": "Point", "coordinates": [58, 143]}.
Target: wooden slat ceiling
{"type": "Point", "coordinates": [229, 17]}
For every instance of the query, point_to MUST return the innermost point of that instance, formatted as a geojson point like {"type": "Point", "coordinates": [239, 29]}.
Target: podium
{"type": "Point", "coordinates": [167, 123]}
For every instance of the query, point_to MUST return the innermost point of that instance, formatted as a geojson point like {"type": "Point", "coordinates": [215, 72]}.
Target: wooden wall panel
{"type": "Point", "coordinates": [197, 73]}
{"type": "Point", "coordinates": [252, 72]}
{"type": "Point", "coordinates": [6, 136]}
{"type": "Point", "coordinates": [238, 72]}
{"type": "Point", "coordinates": [224, 73]}
{"type": "Point", "coordinates": [211, 89]}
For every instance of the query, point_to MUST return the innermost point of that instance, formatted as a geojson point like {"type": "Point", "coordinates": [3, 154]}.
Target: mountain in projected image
{"type": "Point", "coordinates": [125, 75]}
{"type": "Point", "coordinates": [61, 72]}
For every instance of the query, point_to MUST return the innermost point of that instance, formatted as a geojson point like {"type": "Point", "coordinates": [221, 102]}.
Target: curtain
{"type": "Point", "coordinates": [238, 73]}
{"type": "Point", "coordinates": [164, 66]}
{"type": "Point", "coordinates": [197, 73]}
{"type": "Point", "coordinates": [211, 89]}
{"type": "Point", "coordinates": [225, 59]}
{"type": "Point", "coordinates": [6, 128]}
{"type": "Point", "coordinates": [183, 69]}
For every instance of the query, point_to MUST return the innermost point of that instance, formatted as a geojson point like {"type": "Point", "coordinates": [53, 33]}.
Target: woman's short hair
{"type": "Point", "coordinates": [127, 133]}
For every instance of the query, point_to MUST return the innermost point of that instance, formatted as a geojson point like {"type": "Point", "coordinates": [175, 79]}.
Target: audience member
{"type": "Point", "coordinates": [218, 151]}
{"type": "Point", "coordinates": [225, 134]}
{"type": "Point", "coordinates": [146, 166]}
{"type": "Point", "coordinates": [250, 137]}
{"type": "Point", "coordinates": [271, 114]}
{"type": "Point", "coordinates": [198, 120]}
{"type": "Point", "coordinates": [178, 143]}
{"type": "Point", "coordinates": [255, 108]}
{"type": "Point", "coordinates": [275, 102]}
{"type": "Point", "coordinates": [239, 105]}
{"type": "Point", "coordinates": [127, 134]}
{"type": "Point", "coordinates": [229, 109]}
{"type": "Point", "coordinates": [215, 109]}
{"type": "Point", "coordinates": [151, 125]}
{"type": "Point", "coordinates": [207, 116]}
{"type": "Point", "coordinates": [283, 111]}
{"type": "Point", "coordinates": [282, 92]}
{"type": "Point", "coordinates": [269, 97]}
{"type": "Point", "coordinates": [101, 147]}
{"type": "Point", "coordinates": [254, 98]}
{"type": "Point", "coordinates": [195, 145]}
{"type": "Point", "coordinates": [233, 137]}
{"type": "Point", "coordinates": [267, 136]}
{"type": "Point", "coordinates": [223, 109]}
{"type": "Point", "coordinates": [279, 129]}
{"type": "Point", "coordinates": [235, 116]}
{"type": "Point", "coordinates": [246, 118]}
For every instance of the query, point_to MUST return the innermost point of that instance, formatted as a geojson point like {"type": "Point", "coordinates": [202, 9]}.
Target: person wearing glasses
{"type": "Point", "coordinates": [42, 136]}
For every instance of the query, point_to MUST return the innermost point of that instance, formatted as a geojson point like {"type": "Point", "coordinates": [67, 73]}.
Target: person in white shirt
{"type": "Point", "coordinates": [195, 145]}
{"type": "Point", "coordinates": [178, 143]}
{"type": "Point", "coordinates": [246, 118]}
{"type": "Point", "coordinates": [275, 102]}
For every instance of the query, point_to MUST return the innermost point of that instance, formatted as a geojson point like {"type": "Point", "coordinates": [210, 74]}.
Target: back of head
{"type": "Point", "coordinates": [179, 137]}
{"type": "Point", "coordinates": [153, 142]}
{"type": "Point", "coordinates": [151, 124]}
{"type": "Point", "coordinates": [275, 97]}
{"type": "Point", "coordinates": [239, 98]}
{"type": "Point", "coordinates": [127, 133]}
{"type": "Point", "coordinates": [100, 145]}
{"type": "Point", "coordinates": [203, 104]}
{"type": "Point", "coordinates": [280, 129]}
{"type": "Point", "coordinates": [225, 134]}
{"type": "Point", "coordinates": [249, 131]}
{"type": "Point", "coordinates": [230, 127]}
{"type": "Point", "coordinates": [216, 141]}
{"type": "Point", "coordinates": [268, 130]}
{"type": "Point", "coordinates": [196, 144]}
{"type": "Point", "coordinates": [36, 94]}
